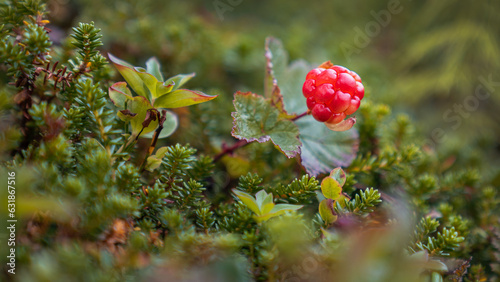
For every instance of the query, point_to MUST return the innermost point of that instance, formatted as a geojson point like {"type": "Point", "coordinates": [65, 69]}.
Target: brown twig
{"type": "Point", "coordinates": [230, 150]}
{"type": "Point", "coordinates": [156, 135]}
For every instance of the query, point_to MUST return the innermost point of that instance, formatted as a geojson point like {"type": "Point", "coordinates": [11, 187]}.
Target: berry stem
{"type": "Point", "coordinates": [300, 116]}
{"type": "Point", "coordinates": [230, 150]}
{"type": "Point", "coordinates": [241, 143]}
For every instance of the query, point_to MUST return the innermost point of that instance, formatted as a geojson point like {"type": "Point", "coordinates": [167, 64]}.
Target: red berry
{"type": "Point", "coordinates": [333, 93]}
{"type": "Point", "coordinates": [324, 93]}
{"type": "Point", "coordinates": [311, 101]}
{"type": "Point", "coordinates": [321, 112]}
{"type": "Point", "coordinates": [356, 76]}
{"type": "Point", "coordinates": [327, 76]}
{"type": "Point", "coordinates": [353, 107]}
{"type": "Point", "coordinates": [336, 118]}
{"type": "Point", "coordinates": [309, 87]}
{"type": "Point", "coordinates": [339, 69]}
{"type": "Point", "coordinates": [345, 83]}
{"type": "Point", "coordinates": [314, 73]}
{"type": "Point", "coordinates": [340, 102]}
{"type": "Point", "coordinates": [360, 90]}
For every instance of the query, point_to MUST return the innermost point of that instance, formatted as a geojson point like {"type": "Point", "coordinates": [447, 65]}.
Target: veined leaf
{"type": "Point", "coordinates": [256, 119]}
{"type": "Point", "coordinates": [323, 149]}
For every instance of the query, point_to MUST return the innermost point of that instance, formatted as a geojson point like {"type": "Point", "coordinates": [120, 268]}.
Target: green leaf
{"type": "Point", "coordinates": [153, 67]}
{"type": "Point", "coordinates": [178, 80]}
{"type": "Point", "coordinates": [119, 94]}
{"type": "Point", "coordinates": [276, 211]}
{"type": "Point", "coordinates": [326, 211]}
{"type": "Point", "coordinates": [134, 78]}
{"type": "Point", "coordinates": [266, 208]}
{"type": "Point", "coordinates": [282, 208]}
{"type": "Point", "coordinates": [182, 98]}
{"type": "Point", "coordinates": [290, 83]}
{"type": "Point", "coordinates": [248, 200]}
{"type": "Point", "coordinates": [276, 62]}
{"type": "Point", "coordinates": [323, 149]}
{"type": "Point", "coordinates": [256, 119]}
{"type": "Point", "coordinates": [264, 201]}
{"type": "Point", "coordinates": [161, 152]}
{"type": "Point", "coordinates": [154, 161]}
{"type": "Point", "coordinates": [339, 175]}
{"type": "Point", "coordinates": [145, 82]}
{"type": "Point", "coordinates": [260, 197]}
{"type": "Point", "coordinates": [331, 188]}
{"type": "Point", "coordinates": [169, 126]}
{"type": "Point", "coordinates": [262, 205]}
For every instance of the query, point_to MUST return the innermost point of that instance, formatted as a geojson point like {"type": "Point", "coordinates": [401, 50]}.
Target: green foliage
{"type": "Point", "coordinates": [438, 244]}
{"type": "Point", "coordinates": [263, 206]}
{"type": "Point", "coordinates": [300, 191]}
{"type": "Point", "coordinates": [87, 39]}
{"type": "Point", "coordinates": [256, 119]}
{"type": "Point", "coordinates": [96, 203]}
{"type": "Point", "coordinates": [362, 204]}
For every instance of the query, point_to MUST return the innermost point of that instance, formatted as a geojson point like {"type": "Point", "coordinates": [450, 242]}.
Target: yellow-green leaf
{"type": "Point", "coordinates": [248, 200]}
{"type": "Point", "coordinates": [331, 188]}
{"type": "Point", "coordinates": [181, 98]}
{"type": "Point", "coordinates": [326, 211]}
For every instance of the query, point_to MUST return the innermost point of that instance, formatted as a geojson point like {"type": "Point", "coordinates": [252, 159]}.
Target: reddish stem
{"type": "Point", "coordinates": [300, 116]}
{"type": "Point", "coordinates": [241, 143]}
{"type": "Point", "coordinates": [230, 150]}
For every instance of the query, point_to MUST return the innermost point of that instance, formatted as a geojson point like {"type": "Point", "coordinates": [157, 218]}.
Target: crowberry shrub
{"type": "Point", "coordinates": [333, 93]}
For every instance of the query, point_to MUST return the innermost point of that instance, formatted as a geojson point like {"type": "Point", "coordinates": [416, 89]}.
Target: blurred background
{"type": "Point", "coordinates": [437, 61]}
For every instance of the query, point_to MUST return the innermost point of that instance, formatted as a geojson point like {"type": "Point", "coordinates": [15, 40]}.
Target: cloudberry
{"type": "Point", "coordinates": [333, 93]}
